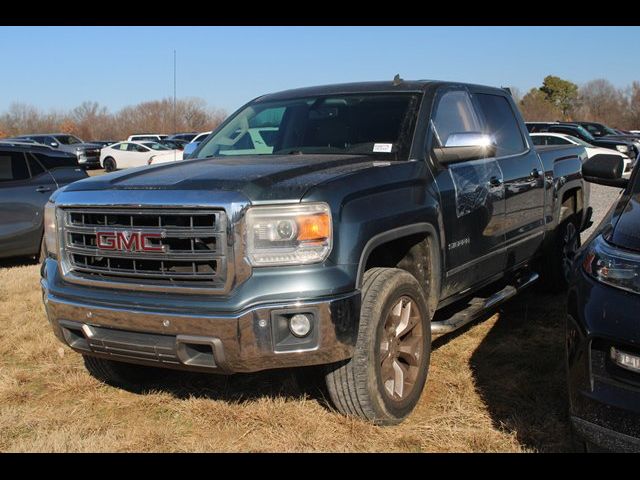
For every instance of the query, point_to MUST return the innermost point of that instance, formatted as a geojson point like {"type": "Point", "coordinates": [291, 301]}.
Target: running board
{"type": "Point", "coordinates": [478, 306]}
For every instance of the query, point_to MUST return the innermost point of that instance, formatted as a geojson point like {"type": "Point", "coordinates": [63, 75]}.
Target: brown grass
{"type": "Point", "coordinates": [498, 386]}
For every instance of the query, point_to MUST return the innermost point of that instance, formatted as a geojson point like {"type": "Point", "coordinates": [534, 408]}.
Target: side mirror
{"type": "Point", "coordinates": [461, 147]}
{"type": "Point", "coordinates": [605, 170]}
{"type": "Point", "coordinates": [54, 144]}
{"type": "Point", "coordinates": [597, 133]}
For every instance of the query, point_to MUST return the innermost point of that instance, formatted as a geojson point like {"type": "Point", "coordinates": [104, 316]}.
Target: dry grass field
{"type": "Point", "coordinates": [495, 386]}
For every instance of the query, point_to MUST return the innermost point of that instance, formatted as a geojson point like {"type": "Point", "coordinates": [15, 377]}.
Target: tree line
{"type": "Point", "coordinates": [556, 99]}
{"type": "Point", "coordinates": [595, 101]}
{"type": "Point", "coordinates": [92, 121]}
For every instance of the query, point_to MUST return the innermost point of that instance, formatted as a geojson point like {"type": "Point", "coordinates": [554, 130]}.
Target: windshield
{"type": "Point", "coordinates": [68, 139]}
{"type": "Point", "coordinates": [343, 124]}
{"type": "Point", "coordinates": [585, 133]}
{"type": "Point", "coordinates": [155, 146]}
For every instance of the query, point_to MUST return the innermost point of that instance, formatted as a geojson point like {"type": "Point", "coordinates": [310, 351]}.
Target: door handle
{"type": "Point", "coordinates": [535, 173]}
{"type": "Point", "coordinates": [43, 189]}
{"type": "Point", "coordinates": [495, 182]}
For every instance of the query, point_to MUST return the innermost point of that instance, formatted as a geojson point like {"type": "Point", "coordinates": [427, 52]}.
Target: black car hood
{"type": "Point", "coordinates": [86, 146]}
{"type": "Point", "coordinates": [259, 178]}
{"type": "Point", "coordinates": [626, 232]}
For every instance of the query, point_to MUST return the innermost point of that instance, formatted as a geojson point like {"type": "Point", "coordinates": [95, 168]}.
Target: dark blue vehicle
{"type": "Point", "coordinates": [603, 328]}
{"type": "Point", "coordinates": [339, 226]}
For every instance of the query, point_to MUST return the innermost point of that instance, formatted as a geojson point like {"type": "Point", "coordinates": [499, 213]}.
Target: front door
{"type": "Point", "coordinates": [472, 199]}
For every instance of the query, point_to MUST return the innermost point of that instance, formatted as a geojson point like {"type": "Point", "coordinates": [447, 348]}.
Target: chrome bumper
{"type": "Point", "coordinates": [249, 341]}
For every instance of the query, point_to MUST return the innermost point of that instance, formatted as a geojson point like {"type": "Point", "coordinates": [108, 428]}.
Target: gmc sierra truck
{"type": "Point", "coordinates": [371, 218]}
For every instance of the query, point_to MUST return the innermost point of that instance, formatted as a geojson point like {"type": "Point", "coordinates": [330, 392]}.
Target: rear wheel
{"type": "Point", "coordinates": [110, 165]}
{"type": "Point", "coordinates": [384, 379]}
{"type": "Point", "coordinates": [557, 263]}
{"type": "Point", "coordinates": [120, 374]}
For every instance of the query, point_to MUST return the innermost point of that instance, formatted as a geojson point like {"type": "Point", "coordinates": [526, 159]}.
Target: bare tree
{"type": "Point", "coordinates": [602, 102]}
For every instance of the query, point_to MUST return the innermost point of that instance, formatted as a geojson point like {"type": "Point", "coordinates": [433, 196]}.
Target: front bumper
{"type": "Point", "coordinates": [252, 340]}
{"type": "Point", "coordinates": [604, 398]}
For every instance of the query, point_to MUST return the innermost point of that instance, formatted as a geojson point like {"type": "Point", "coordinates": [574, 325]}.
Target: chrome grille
{"type": "Point", "coordinates": [157, 247]}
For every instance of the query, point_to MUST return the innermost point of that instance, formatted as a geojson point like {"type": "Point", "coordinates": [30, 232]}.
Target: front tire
{"type": "Point", "coordinates": [120, 374]}
{"type": "Point", "coordinates": [110, 165]}
{"type": "Point", "coordinates": [383, 381]}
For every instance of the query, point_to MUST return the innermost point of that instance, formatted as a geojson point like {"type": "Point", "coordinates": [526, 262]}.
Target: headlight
{"type": "Point", "coordinates": [622, 148]}
{"type": "Point", "coordinates": [613, 266]}
{"type": "Point", "coordinates": [50, 228]}
{"type": "Point", "coordinates": [288, 234]}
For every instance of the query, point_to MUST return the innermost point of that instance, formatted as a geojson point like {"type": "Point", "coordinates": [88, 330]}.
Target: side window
{"type": "Point", "coordinates": [34, 166]}
{"type": "Point", "coordinates": [502, 124]}
{"type": "Point", "coordinates": [123, 146]}
{"type": "Point", "coordinates": [557, 141]}
{"type": "Point", "coordinates": [13, 167]}
{"type": "Point", "coordinates": [455, 114]}
{"type": "Point", "coordinates": [539, 140]}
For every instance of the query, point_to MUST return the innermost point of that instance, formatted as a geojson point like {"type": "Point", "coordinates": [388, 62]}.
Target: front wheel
{"type": "Point", "coordinates": [383, 381]}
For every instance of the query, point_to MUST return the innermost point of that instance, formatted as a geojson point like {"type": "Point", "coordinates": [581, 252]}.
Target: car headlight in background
{"type": "Point", "coordinates": [50, 228]}
{"type": "Point", "coordinates": [288, 234]}
{"type": "Point", "coordinates": [612, 266]}
{"type": "Point", "coordinates": [622, 148]}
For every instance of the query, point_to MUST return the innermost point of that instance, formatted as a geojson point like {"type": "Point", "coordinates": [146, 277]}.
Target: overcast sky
{"type": "Point", "coordinates": [59, 67]}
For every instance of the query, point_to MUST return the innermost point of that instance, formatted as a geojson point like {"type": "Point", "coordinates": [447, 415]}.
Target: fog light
{"type": "Point", "coordinates": [300, 325]}
{"type": "Point", "coordinates": [625, 360]}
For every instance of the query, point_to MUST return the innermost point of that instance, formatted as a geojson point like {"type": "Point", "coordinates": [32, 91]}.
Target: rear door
{"type": "Point", "coordinates": [523, 176]}
{"type": "Point", "coordinates": [22, 201]}
{"type": "Point", "coordinates": [472, 199]}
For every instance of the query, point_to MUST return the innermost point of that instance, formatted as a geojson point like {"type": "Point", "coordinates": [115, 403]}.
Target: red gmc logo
{"type": "Point", "coordinates": [128, 241]}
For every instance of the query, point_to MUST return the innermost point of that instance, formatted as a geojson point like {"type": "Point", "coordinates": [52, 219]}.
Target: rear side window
{"type": "Point", "coordinates": [13, 167]}
{"type": "Point", "coordinates": [51, 162]}
{"type": "Point", "coordinates": [538, 140]}
{"type": "Point", "coordinates": [557, 141]}
{"type": "Point", "coordinates": [455, 114]}
{"type": "Point", "coordinates": [502, 124]}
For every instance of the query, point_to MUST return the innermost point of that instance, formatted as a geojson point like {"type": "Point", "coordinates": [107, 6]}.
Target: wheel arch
{"type": "Point", "coordinates": [405, 243]}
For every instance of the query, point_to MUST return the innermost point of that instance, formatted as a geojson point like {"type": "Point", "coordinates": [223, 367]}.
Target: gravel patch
{"type": "Point", "coordinates": [601, 199]}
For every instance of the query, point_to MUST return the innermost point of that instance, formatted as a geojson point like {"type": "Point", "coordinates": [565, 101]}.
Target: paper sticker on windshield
{"type": "Point", "coordinates": [382, 147]}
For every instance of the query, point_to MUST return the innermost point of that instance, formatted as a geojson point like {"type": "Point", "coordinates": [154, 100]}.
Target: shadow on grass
{"type": "Point", "coordinates": [290, 384]}
{"type": "Point", "coordinates": [519, 371]}
{"type": "Point", "coordinates": [18, 262]}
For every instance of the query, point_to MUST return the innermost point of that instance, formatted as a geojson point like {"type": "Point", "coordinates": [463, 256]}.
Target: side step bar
{"type": "Point", "coordinates": [478, 306]}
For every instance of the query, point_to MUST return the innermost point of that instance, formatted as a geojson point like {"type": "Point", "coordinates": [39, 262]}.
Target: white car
{"type": "Point", "coordinates": [133, 154]}
{"type": "Point", "coordinates": [170, 156]}
{"type": "Point", "coordinates": [548, 138]}
{"type": "Point", "coordinates": [146, 137]}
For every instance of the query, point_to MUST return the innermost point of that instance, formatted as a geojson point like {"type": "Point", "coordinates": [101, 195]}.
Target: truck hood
{"type": "Point", "coordinates": [84, 146]}
{"type": "Point", "coordinates": [259, 178]}
{"type": "Point", "coordinates": [626, 233]}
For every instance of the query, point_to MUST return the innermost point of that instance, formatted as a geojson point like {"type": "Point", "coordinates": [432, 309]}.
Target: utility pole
{"type": "Point", "coordinates": [174, 92]}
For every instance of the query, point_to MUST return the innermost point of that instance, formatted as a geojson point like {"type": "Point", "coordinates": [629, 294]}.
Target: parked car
{"type": "Point", "coordinates": [602, 334]}
{"type": "Point", "coordinates": [171, 156]}
{"type": "Point", "coordinates": [88, 154]}
{"type": "Point", "coordinates": [377, 206]}
{"type": "Point", "coordinates": [193, 144]}
{"type": "Point", "coordinates": [146, 137]}
{"type": "Point", "coordinates": [131, 154]}
{"type": "Point", "coordinates": [186, 137]}
{"type": "Point", "coordinates": [549, 138]}
{"type": "Point", "coordinates": [29, 174]}
{"type": "Point", "coordinates": [628, 147]}
{"type": "Point", "coordinates": [599, 130]}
